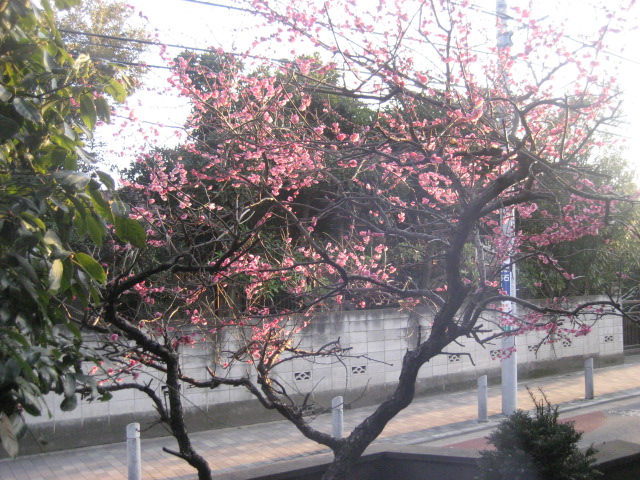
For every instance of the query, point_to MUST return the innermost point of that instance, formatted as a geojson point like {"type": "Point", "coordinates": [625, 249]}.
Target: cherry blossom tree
{"type": "Point", "coordinates": [282, 205]}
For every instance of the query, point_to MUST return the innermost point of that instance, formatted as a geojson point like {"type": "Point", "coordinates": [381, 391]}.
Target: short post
{"type": "Point", "coordinates": [133, 452]}
{"type": "Point", "coordinates": [482, 399]}
{"type": "Point", "coordinates": [588, 379]}
{"type": "Point", "coordinates": [337, 416]}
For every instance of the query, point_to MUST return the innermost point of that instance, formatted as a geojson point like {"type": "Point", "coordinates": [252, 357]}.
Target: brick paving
{"type": "Point", "coordinates": [430, 417]}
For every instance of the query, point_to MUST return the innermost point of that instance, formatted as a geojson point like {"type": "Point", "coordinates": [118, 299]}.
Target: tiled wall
{"type": "Point", "coordinates": [378, 339]}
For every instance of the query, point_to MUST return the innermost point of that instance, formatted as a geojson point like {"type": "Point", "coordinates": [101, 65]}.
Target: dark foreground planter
{"type": "Point", "coordinates": [617, 460]}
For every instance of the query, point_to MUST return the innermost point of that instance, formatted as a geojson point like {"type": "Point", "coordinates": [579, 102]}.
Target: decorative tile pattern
{"type": "Point", "coordinates": [302, 376]}
{"type": "Point", "coordinates": [608, 338]}
{"type": "Point", "coordinates": [359, 370]}
{"type": "Point", "coordinates": [308, 410]}
{"type": "Point", "coordinates": [454, 358]}
{"type": "Point", "coordinates": [495, 354]}
{"type": "Point", "coordinates": [566, 342]}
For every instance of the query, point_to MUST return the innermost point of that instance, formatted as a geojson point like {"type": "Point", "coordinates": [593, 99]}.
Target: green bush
{"type": "Point", "coordinates": [537, 448]}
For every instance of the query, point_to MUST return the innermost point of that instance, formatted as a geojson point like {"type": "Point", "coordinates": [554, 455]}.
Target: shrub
{"type": "Point", "coordinates": [537, 448]}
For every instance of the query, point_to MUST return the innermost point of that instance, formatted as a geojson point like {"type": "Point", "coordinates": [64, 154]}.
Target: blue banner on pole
{"type": "Point", "coordinates": [506, 280]}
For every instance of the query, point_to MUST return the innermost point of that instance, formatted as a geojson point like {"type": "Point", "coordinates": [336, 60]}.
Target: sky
{"type": "Point", "coordinates": [194, 24]}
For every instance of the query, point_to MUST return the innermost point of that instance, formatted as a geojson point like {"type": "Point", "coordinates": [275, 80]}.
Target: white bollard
{"type": "Point", "coordinates": [483, 415]}
{"type": "Point", "coordinates": [133, 452]}
{"type": "Point", "coordinates": [588, 379]}
{"type": "Point", "coordinates": [337, 416]}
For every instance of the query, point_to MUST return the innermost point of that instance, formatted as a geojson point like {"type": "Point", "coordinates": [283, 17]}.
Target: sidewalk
{"type": "Point", "coordinates": [441, 420]}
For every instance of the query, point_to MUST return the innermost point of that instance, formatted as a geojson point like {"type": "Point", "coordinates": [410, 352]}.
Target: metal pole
{"type": "Point", "coordinates": [133, 452]}
{"type": "Point", "coordinates": [337, 404]}
{"type": "Point", "coordinates": [509, 364]}
{"type": "Point", "coordinates": [483, 414]}
{"type": "Point", "coordinates": [588, 379]}
{"type": "Point", "coordinates": [509, 377]}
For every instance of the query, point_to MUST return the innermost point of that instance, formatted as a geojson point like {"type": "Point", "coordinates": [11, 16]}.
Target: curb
{"type": "Point", "coordinates": [463, 428]}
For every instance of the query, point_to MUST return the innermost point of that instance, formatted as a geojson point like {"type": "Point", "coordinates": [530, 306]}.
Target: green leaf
{"type": "Point", "coordinates": [8, 128]}
{"type": "Point", "coordinates": [78, 180]}
{"type": "Point", "coordinates": [8, 436]}
{"type": "Point", "coordinates": [64, 142]}
{"type": "Point", "coordinates": [14, 336]}
{"type": "Point", "coordinates": [91, 266]}
{"type": "Point", "coordinates": [5, 95]}
{"type": "Point", "coordinates": [29, 287]}
{"type": "Point", "coordinates": [27, 268]}
{"type": "Point", "coordinates": [91, 382]}
{"type": "Point", "coordinates": [106, 396]}
{"type": "Point", "coordinates": [106, 179]}
{"type": "Point", "coordinates": [86, 156]}
{"type": "Point", "coordinates": [88, 111]}
{"type": "Point", "coordinates": [95, 229]}
{"type": "Point", "coordinates": [30, 407]}
{"type": "Point", "coordinates": [52, 238]}
{"type": "Point", "coordinates": [75, 331]}
{"type": "Point", "coordinates": [27, 371]}
{"type": "Point", "coordinates": [103, 109]}
{"type": "Point", "coordinates": [37, 222]}
{"type": "Point", "coordinates": [48, 375]}
{"type": "Point", "coordinates": [129, 230]}
{"type": "Point", "coordinates": [19, 425]}
{"type": "Point", "coordinates": [50, 63]}
{"type": "Point", "coordinates": [100, 204]}
{"type": "Point", "coordinates": [55, 275]}
{"type": "Point", "coordinates": [12, 370]}
{"type": "Point", "coordinates": [95, 294]}
{"type": "Point", "coordinates": [116, 90]}
{"type": "Point", "coordinates": [27, 110]}
{"type": "Point", "coordinates": [57, 156]}
{"type": "Point", "coordinates": [69, 132]}
{"type": "Point", "coordinates": [82, 60]}
{"type": "Point", "coordinates": [69, 403]}
{"type": "Point", "coordinates": [69, 385]}
{"type": "Point", "coordinates": [34, 356]}
{"type": "Point", "coordinates": [80, 224]}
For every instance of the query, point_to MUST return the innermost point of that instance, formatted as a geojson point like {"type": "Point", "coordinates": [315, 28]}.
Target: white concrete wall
{"type": "Point", "coordinates": [378, 339]}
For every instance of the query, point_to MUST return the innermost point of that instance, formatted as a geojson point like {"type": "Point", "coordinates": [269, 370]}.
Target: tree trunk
{"type": "Point", "coordinates": [351, 448]}
{"type": "Point", "coordinates": [178, 427]}
{"type": "Point", "coordinates": [349, 451]}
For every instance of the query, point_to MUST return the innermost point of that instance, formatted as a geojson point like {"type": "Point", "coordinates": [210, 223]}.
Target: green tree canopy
{"type": "Point", "coordinates": [97, 27]}
{"type": "Point", "coordinates": [49, 102]}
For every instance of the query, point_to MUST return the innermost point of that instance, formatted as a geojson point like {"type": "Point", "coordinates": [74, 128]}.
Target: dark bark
{"type": "Point", "coordinates": [352, 447]}
{"type": "Point", "coordinates": [176, 410]}
{"type": "Point", "coordinates": [176, 421]}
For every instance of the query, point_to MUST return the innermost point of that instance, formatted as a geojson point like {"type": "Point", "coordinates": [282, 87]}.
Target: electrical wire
{"type": "Point", "coordinates": [217, 5]}
{"type": "Point", "coordinates": [212, 4]}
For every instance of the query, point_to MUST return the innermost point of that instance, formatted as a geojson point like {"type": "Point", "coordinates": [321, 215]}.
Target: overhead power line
{"type": "Point", "coordinates": [218, 5]}
{"type": "Point", "coordinates": [477, 8]}
{"type": "Point", "coordinates": [131, 40]}
{"type": "Point", "coordinates": [161, 44]}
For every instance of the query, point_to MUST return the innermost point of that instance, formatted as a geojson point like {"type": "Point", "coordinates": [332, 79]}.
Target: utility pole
{"type": "Point", "coordinates": [509, 365]}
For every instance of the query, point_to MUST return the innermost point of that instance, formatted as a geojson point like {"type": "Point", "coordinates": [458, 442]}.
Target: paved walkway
{"type": "Point", "coordinates": [427, 420]}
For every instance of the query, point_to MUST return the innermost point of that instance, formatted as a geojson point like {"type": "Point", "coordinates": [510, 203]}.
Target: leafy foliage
{"type": "Point", "coordinates": [599, 264]}
{"type": "Point", "coordinates": [50, 102]}
{"type": "Point", "coordinates": [537, 448]}
{"type": "Point", "coordinates": [94, 28]}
